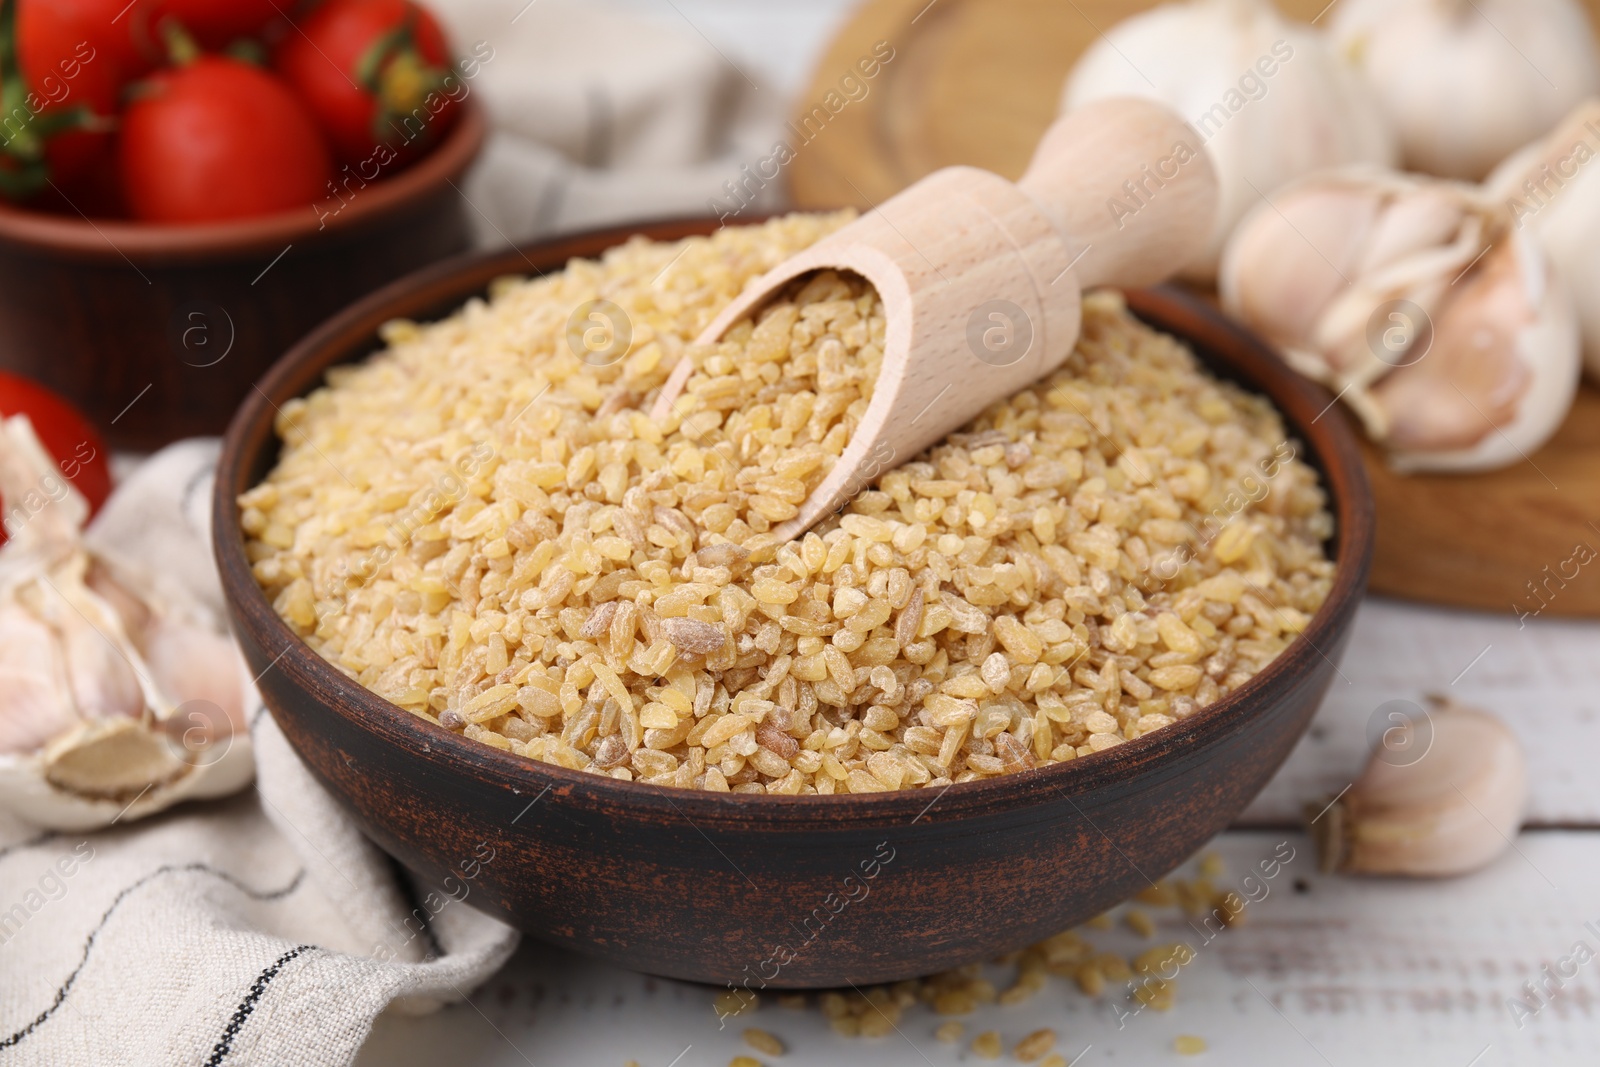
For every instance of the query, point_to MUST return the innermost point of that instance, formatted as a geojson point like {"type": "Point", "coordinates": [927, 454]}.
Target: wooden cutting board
{"type": "Point", "coordinates": [977, 82]}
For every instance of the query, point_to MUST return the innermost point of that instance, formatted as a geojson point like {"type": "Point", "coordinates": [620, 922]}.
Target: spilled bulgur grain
{"type": "Point", "coordinates": [762, 1041]}
{"type": "Point", "coordinates": [1035, 1045]}
{"type": "Point", "coordinates": [484, 527]}
{"type": "Point", "coordinates": [1069, 955]}
{"type": "Point", "coordinates": [987, 1045]}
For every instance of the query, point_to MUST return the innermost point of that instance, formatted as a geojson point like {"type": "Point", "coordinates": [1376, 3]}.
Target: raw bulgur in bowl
{"type": "Point", "coordinates": [481, 525]}
{"type": "Point", "coordinates": [771, 891]}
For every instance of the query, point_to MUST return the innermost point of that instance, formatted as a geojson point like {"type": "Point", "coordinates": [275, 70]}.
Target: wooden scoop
{"type": "Point", "coordinates": [982, 279]}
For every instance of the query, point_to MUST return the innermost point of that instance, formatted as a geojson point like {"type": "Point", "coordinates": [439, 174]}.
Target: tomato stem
{"type": "Point", "coordinates": [182, 48]}
{"type": "Point", "coordinates": [246, 50]}
{"type": "Point", "coordinates": [378, 54]}
{"type": "Point", "coordinates": [394, 71]}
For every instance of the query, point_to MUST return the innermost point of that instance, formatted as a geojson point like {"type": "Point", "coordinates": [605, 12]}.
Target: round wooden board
{"type": "Point", "coordinates": [977, 82]}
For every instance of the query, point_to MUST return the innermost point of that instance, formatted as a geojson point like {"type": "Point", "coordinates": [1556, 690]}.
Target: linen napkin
{"type": "Point", "coordinates": [601, 117]}
{"type": "Point", "coordinates": [262, 929]}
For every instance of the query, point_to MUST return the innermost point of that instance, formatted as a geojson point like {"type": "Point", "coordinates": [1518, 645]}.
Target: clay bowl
{"type": "Point", "coordinates": [157, 332]}
{"type": "Point", "coordinates": [781, 891]}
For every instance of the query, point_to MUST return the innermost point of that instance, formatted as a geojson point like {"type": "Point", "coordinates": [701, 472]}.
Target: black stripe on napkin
{"type": "Point", "coordinates": [66, 987]}
{"type": "Point", "coordinates": [242, 1013]}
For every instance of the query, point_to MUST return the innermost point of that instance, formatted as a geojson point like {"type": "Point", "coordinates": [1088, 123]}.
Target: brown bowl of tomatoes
{"type": "Point", "coordinates": [189, 186]}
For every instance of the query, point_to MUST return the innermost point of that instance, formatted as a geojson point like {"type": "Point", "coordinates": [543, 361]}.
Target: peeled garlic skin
{"type": "Point", "coordinates": [1467, 82]}
{"type": "Point", "coordinates": [1311, 113]}
{"type": "Point", "coordinates": [1501, 376]}
{"type": "Point", "coordinates": [1449, 813]}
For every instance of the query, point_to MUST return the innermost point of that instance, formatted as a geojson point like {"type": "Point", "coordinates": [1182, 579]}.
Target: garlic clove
{"type": "Point", "coordinates": [129, 609]}
{"type": "Point", "coordinates": [1448, 812]}
{"type": "Point", "coordinates": [102, 678]}
{"type": "Point", "coordinates": [33, 678]}
{"type": "Point", "coordinates": [1501, 374]}
{"type": "Point", "coordinates": [1418, 221]}
{"type": "Point", "coordinates": [1289, 260]}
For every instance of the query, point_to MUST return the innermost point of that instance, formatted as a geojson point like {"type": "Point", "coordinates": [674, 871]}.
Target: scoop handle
{"type": "Point", "coordinates": [1129, 186]}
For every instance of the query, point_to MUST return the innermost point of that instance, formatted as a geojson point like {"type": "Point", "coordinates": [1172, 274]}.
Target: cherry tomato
{"type": "Point", "coordinates": [109, 27]}
{"type": "Point", "coordinates": [377, 75]}
{"type": "Point", "coordinates": [64, 64]}
{"type": "Point", "coordinates": [70, 439]}
{"type": "Point", "coordinates": [219, 139]}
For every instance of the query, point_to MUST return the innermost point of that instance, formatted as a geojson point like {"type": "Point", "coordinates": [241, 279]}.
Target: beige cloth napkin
{"type": "Point", "coordinates": [263, 929]}
{"type": "Point", "coordinates": [603, 117]}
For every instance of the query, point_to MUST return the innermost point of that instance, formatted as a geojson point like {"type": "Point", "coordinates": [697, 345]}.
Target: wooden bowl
{"type": "Point", "coordinates": [157, 332]}
{"type": "Point", "coordinates": [782, 891]}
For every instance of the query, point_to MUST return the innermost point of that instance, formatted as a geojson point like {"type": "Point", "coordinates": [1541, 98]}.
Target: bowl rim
{"type": "Point", "coordinates": [1309, 412]}
{"type": "Point", "coordinates": [117, 240]}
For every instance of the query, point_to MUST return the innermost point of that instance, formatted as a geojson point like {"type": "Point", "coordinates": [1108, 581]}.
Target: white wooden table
{"type": "Point", "coordinates": [1327, 970]}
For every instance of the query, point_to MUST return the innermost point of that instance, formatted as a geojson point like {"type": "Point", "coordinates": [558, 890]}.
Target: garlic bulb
{"type": "Point", "coordinates": [1266, 95]}
{"type": "Point", "coordinates": [1450, 810]}
{"type": "Point", "coordinates": [119, 703]}
{"type": "Point", "coordinates": [1552, 189]}
{"type": "Point", "coordinates": [1467, 82]}
{"type": "Point", "coordinates": [1420, 305]}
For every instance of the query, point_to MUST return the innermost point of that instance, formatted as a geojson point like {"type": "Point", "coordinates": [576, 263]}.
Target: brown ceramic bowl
{"type": "Point", "coordinates": [786, 891]}
{"type": "Point", "coordinates": [157, 332]}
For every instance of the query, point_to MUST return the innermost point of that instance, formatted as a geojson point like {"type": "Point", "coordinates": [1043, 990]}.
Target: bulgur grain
{"type": "Point", "coordinates": [762, 1041]}
{"type": "Point", "coordinates": [734, 1001]}
{"type": "Point", "coordinates": [483, 527]}
{"type": "Point", "coordinates": [949, 1032]}
{"type": "Point", "coordinates": [1188, 1045]}
{"type": "Point", "coordinates": [1035, 1045]}
{"type": "Point", "coordinates": [987, 1045]}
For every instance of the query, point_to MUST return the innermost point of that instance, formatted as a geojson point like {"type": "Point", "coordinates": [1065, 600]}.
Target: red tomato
{"type": "Point", "coordinates": [109, 27]}
{"type": "Point", "coordinates": [219, 139]}
{"type": "Point", "coordinates": [65, 434]}
{"type": "Point", "coordinates": [215, 23]}
{"type": "Point", "coordinates": [72, 57]}
{"type": "Point", "coordinates": [377, 75]}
